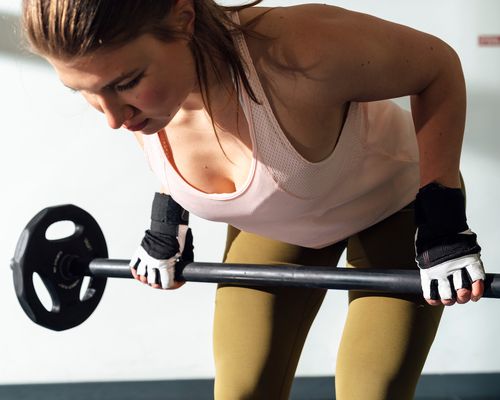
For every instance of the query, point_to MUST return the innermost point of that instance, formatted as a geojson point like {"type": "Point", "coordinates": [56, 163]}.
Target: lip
{"type": "Point", "coordinates": [137, 127]}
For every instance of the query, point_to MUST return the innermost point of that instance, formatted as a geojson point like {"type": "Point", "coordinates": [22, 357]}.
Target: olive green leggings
{"type": "Point", "coordinates": [259, 332]}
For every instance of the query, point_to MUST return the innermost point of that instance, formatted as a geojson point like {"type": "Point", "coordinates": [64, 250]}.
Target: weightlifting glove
{"type": "Point", "coordinates": [168, 241]}
{"type": "Point", "coordinates": [446, 249]}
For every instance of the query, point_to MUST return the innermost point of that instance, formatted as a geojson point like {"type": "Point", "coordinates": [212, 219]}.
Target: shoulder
{"type": "Point", "coordinates": [298, 34]}
{"type": "Point", "coordinates": [345, 50]}
{"type": "Point", "coordinates": [305, 18]}
{"type": "Point", "coordinates": [306, 40]}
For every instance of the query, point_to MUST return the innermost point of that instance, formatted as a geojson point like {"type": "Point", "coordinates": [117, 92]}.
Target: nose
{"type": "Point", "coordinates": [116, 113]}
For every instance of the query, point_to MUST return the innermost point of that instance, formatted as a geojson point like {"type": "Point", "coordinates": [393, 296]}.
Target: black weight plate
{"type": "Point", "coordinates": [37, 254]}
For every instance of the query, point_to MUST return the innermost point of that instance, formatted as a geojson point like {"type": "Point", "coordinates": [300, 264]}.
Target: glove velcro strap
{"type": "Point", "coordinates": [166, 215]}
{"type": "Point", "coordinates": [445, 249]}
{"type": "Point", "coordinates": [166, 229]}
{"type": "Point", "coordinates": [440, 209]}
{"type": "Point", "coordinates": [160, 246]}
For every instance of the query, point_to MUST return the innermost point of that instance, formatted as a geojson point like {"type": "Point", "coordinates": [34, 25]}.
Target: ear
{"type": "Point", "coordinates": [183, 15]}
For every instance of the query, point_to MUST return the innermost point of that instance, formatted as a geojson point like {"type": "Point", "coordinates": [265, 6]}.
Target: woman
{"type": "Point", "coordinates": [275, 120]}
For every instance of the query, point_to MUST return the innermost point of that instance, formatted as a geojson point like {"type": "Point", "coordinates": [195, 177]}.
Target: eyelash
{"type": "Point", "coordinates": [129, 85]}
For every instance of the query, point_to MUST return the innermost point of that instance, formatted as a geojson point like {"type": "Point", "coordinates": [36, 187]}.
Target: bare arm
{"type": "Point", "coordinates": [363, 58]}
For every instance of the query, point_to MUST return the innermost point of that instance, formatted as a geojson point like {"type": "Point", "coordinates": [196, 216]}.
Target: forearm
{"type": "Point", "coordinates": [439, 117]}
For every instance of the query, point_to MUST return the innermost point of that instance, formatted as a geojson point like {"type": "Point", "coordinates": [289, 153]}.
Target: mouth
{"type": "Point", "coordinates": [137, 127]}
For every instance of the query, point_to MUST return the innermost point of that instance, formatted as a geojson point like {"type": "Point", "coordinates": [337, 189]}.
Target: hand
{"type": "Point", "coordinates": [458, 280]}
{"type": "Point", "coordinates": [155, 260]}
{"type": "Point", "coordinates": [447, 251]}
{"type": "Point", "coordinates": [168, 241]}
{"type": "Point", "coordinates": [159, 274]}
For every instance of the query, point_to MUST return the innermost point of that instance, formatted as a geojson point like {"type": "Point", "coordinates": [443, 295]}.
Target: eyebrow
{"type": "Point", "coordinates": [115, 81]}
{"type": "Point", "coordinates": [120, 78]}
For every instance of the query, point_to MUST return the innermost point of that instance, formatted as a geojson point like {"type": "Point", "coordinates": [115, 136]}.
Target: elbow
{"type": "Point", "coordinates": [444, 73]}
{"type": "Point", "coordinates": [450, 66]}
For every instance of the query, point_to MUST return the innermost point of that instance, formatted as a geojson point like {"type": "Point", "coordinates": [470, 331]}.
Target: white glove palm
{"type": "Point", "coordinates": [471, 266]}
{"type": "Point", "coordinates": [161, 272]}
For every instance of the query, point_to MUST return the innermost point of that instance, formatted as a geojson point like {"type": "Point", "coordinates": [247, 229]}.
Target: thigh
{"type": "Point", "coordinates": [386, 338]}
{"type": "Point", "coordinates": [259, 332]}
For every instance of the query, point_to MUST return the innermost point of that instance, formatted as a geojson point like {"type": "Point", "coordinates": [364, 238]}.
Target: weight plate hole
{"type": "Point", "coordinates": [83, 290]}
{"type": "Point", "coordinates": [60, 230]}
{"type": "Point", "coordinates": [42, 292]}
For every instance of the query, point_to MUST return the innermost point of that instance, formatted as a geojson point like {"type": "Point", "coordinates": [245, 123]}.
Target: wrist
{"type": "Point", "coordinates": [440, 209]}
{"type": "Point", "coordinates": [167, 215]}
{"type": "Point", "coordinates": [160, 246]}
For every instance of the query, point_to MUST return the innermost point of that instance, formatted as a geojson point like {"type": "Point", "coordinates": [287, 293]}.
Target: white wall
{"type": "Point", "coordinates": [56, 150]}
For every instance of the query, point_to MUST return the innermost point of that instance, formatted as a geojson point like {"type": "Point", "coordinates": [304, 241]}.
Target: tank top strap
{"type": "Point", "coordinates": [292, 172]}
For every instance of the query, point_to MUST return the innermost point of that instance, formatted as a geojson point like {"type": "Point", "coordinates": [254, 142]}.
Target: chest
{"type": "Point", "coordinates": [213, 156]}
{"type": "Point", "coordinates": [216, 156]}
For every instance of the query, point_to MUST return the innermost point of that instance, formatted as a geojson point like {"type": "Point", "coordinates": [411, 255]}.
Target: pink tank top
{"type": "Point", "coordinates": [372, 173]}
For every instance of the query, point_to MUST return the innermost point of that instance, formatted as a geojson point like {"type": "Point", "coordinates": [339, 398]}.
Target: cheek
{"type": "Point", "coordinates": [151, 97]}
{"type": "Point", "coordinates": [167, 94]}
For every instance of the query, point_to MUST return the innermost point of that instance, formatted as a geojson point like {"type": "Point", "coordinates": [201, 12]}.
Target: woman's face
{"type": "Point", "coordinates": [140, 85]}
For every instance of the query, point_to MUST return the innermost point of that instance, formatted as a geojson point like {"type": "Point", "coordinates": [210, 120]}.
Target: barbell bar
{"type": "Point", "coordinates": [63, 264]}
{"type": "Point", "coordinates": [289, 275]}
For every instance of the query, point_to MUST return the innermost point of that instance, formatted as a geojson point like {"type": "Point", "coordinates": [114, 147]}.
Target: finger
{"type": "Point", "coordinates": [165, 280]}
{"type": "Point", "coordinates": [477, 290]}
{"type": "Point", "coordinates": [433, 302]}
{"type": "Point", "coordinates": [444, 289]}
{"type": "Point", "coordinates": [458, 281]}
{"type": "Point", "coordinates": [134, 263]}
{"type": "Point", "coordinates": [476, 270]}
{"type": "Point", "coordinates": [141, 269]}
{"type": "Point", "coordinates": [463, 295]}
{"type": "Point", "coordinates": [449, 302]}
{"type": "Point", "coordinates": [175, 285]}
{"type": "Point", "coordinates": [152, 273]}
{"type": "Point", "coordinates": [426, 285]}
{"type": "Point", "coordinates": [156, 283]}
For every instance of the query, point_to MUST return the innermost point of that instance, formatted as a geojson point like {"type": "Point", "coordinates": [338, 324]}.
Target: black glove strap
{"type": "Point", "coordinates": [432, 253]}
{"type": "Point", "coordinates": [163, 246]}
{"type": "Point", "coordinates": [167, 215]}
{"type": "Point", "coordinates": [160, 246]}
{"type": "Point", "coordinates": [440, 209]}
{"type": "Point", "coordinates": [440, 218]}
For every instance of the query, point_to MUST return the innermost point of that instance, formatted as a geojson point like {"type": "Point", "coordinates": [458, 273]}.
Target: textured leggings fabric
{"type": "Point", "coordinates": [259, 332]}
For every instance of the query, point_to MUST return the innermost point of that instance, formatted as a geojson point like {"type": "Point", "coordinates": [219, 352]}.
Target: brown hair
{"type": "Point", "coordinates": [65, 29]}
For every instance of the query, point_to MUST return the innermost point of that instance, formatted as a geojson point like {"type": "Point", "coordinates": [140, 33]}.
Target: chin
{"type": "Point", "coordinates": [147, 132]}
{"type": "Point", "coordinates": [153, 127]}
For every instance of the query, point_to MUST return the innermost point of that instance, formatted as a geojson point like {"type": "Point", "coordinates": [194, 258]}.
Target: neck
{"type": "Point", "coordinates": [224, 106]}
{"type": "Point", "coordinates": [221, 91]}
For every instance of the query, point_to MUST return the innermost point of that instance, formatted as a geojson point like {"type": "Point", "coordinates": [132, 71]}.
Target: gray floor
{"type": "Point", "coordinates": [431, 387]}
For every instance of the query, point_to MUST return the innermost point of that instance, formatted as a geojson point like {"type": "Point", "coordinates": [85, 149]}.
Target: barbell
{"type": "Point", "coordinates": [62, 264]}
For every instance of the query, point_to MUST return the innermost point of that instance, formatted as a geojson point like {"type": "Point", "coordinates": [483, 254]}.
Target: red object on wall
{"type": "Point", "coordinates": [489, 40]}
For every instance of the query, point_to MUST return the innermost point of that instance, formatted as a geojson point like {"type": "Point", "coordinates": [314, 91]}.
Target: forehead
{"type": "Point", "coordinates": [92, 71]}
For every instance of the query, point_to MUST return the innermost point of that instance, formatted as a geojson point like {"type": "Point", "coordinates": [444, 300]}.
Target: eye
{"type": "Point", "coordinates": [71, 90]}
{"type": "Point", "coordinates": [130, 84]}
